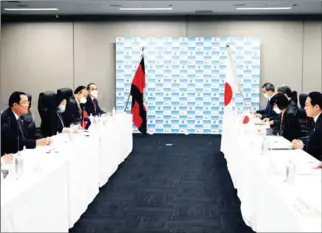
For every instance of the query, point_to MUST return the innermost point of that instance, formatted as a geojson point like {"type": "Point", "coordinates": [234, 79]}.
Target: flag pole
{"type": "Point", "coordinates": [235, 73]}
{"type": "Point", "coordinates": [128, 98]}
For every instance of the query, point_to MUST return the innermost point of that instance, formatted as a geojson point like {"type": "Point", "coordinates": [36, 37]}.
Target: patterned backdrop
{"type": "Point", "coordinates": [185, 80]}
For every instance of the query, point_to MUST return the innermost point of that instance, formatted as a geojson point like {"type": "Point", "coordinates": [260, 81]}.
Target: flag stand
{"type": "Point", "coordinates": [128, 98]}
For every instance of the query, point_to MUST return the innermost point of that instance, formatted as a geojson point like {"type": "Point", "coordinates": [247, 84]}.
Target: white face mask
{"type": "Point", "coordinates": [62, 108]}
{"type": "Point", "coordinates": [277, 110]}
{"type": "Point", "coordinates": [83, 100]}
{"type": "Point", "coordinates": [94, 94]}
{"type": "Point", "coordinates": [266, 96]}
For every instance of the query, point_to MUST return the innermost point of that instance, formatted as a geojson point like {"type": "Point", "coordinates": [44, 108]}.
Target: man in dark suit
{"type": "Point", "coordinates": [268, 91]}
{"type": "Point", "coordinates": [13, 137]}
{"type": "Point", "coordinates": [313, 108]}
{"type": "Point", "coordinates": [286, 123]}
{"type": "Point", "coordinates": [92, 106]}
{"type": "Point", "coordinates": [75, 107]}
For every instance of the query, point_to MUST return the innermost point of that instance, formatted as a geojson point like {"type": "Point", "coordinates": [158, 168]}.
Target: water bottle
{"type": "Point", "coordinates": [290, 172]}
{"type": "Point", "coordinates": [113, 112]}
{"type": "Point", "coordinates": [70, 133]}
{"type": "Point", "coordinates": [19, 165]}
{"type": "Point", "coordinates": [264, 145]}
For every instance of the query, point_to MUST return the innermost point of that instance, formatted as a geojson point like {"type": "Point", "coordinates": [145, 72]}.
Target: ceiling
{"type": "Point", "coordinates": [179, 7]}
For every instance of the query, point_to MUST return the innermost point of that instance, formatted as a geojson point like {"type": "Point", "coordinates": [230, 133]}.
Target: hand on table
{"type": "Point", "coordinates": [75, 128]}
{"type": "Point", "coordinates": [7, 158]}
{"type": "Point", "coordinates": [297, 144]}
{"type": "Point", "coordinates": [43, 141]}
{"type": "Point", "coordinates": [267, 121]}
{"type": "Point", "coordinates": [317, 166]}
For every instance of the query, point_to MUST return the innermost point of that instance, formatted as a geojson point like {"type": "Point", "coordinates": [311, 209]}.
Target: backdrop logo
{"type": "Point", "coordinates": [185, 79]}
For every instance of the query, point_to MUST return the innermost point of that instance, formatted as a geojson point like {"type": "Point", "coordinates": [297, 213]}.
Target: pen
{"type": "Point", "coordinates": [280, 148]}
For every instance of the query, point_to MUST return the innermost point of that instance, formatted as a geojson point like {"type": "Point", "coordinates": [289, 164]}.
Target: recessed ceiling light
{"type": "Point", "coordinates": [146, 9]}
{"type": "Point", "coordinates": [31, 9]}
{"type": "Point", "coordinates": [262, 8]}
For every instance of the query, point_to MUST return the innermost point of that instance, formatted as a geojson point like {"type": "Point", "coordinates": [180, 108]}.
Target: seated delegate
{"type": "Point", "coordinates": [91, 105]}
{"type": "Point", "coordinates": [57, 118]}
{"type": "Point", "coordinates": [75, 107]}
{"type": "Point", "coordinates": [268, 91]}
{"type": "Point", "coordinates": [13, 138]}
{"type": "Point", "coordinates": [286, 123]}
{"type": "Point", "coordinates": [313, 108]}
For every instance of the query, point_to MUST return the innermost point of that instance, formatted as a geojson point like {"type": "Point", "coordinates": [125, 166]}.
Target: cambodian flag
{"type": "Point", "coordinates": [85, 120]}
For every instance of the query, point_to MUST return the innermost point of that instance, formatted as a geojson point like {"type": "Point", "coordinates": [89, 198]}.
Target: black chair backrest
{"type": "Point", "coordinates": [294, 97]}
{"type": "Point", "coordinates": [29, 99]}
{"type": "Point", "coordinates": [302, 98]}
{"type": "Point", "coordinates": [64, 93]}
{"type": "Point", "coordinates": [46, 107]}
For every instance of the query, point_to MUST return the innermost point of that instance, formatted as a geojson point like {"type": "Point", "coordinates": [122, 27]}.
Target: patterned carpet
{"type": "Point", "coordinates": [183, 188]}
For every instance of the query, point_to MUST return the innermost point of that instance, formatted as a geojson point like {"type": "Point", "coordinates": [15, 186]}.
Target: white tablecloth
{"type": "Point", "coordinates": [81, 155]}
{"type": "Point", "coordinates": [115, 145]}
{"type": "Point", "coordinates": [37, 202]}
{"type": "Point", "coordinates": [268, 202]}
{"type": "Point", "coordinates": [59, 182]}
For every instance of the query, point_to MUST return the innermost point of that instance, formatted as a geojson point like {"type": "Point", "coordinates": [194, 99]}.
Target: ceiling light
{"type": "Point", "coordinates": [31, 9]}
{"type": "Point", "coordinates": [146, 9]}
{"type": "Point", "coordinates": [262, 8]}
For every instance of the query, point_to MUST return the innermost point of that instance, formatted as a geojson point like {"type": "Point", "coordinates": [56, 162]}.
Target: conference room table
{"type": "Point", "coordinates": [272, 199]}
{"type": "Point", "coordinates": [60, 181]}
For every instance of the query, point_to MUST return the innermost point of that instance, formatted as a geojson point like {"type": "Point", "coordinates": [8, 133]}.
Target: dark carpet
{"type": "Point", "coordinates": [182, 188]}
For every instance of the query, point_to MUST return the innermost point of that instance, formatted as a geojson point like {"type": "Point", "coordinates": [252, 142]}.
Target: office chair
{"type": "Point", "coordinates": [46, 107]}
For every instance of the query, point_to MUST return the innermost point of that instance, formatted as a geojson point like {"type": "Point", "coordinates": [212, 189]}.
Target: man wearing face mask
{"type": "Point", "coordinates": [287, 119]}
{"type": "Point", "coordinates": [91, 105]}
{"type": "Point", "coordinates": [75, 107]}
{"type": "Point", "coordinates": [268, 91]}
{"type": "Point", "coordinates": [313, 108]}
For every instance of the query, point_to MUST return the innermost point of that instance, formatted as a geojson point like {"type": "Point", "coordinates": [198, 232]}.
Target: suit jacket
{"type": "Point", "coordinates": [13, 139]}
{"type": "Point", "coordinates": [73, 113]}
{"type": "Point", "coordinates": [92, 107]}
{"type": "Point", "coordinates": [29, 125]}
{"type": "Point", "coordinates": [291, 111]}
{"type": "Point", "coordinates": [268, 112]}
{"type": "Point", "coordinates": [58, 123]}
{"type": "Point", "coordinates": [314, 144]}
{"type": "Point", "coordinates": [289, 125]}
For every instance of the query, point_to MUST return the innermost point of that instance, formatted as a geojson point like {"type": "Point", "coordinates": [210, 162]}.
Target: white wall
{"type": "Point", "coordinates": [36, 57]}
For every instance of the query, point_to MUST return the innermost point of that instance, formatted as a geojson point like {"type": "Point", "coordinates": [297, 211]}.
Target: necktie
{"type": "Point", "coordinates": [60, 118]}
{"type": "Point", "coordinates": [21, 128]}
{"type": "Point", "coordinates": [282, 123]}
{"type": "Point", "coordinates": [95, 105]}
